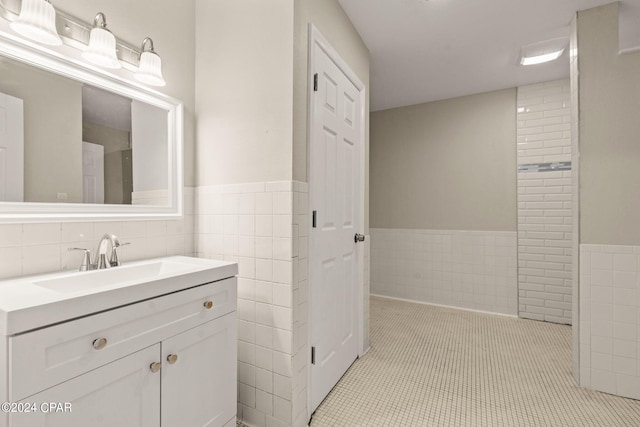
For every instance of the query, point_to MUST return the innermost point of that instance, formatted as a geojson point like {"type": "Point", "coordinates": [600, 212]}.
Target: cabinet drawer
{"type": "Point", "coordinates": [49, 356]}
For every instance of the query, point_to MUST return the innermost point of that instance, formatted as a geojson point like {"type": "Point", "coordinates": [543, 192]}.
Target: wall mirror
{"type": "Point", "coordinates": [77, 143]}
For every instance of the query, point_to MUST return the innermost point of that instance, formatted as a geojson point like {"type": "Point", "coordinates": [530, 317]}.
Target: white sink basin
{"type": "Point", "coordinates": [28, 303]}
{"type": "Point", "coordinates": [115, 277]}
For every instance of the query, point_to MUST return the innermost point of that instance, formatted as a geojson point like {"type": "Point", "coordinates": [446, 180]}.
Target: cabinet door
{"type": "Point", "coordinates": [121, 393]}
{"type": "Point", "coordinates": [199, 375]}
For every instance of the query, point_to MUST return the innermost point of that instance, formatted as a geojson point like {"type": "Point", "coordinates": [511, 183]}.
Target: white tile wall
{"type": "Point", "coordinates": [610, 319]}
{"type": "Point", "coordinates": [150, 197]}
{"type": "Point", "coordinates": [252, 224]}
{"type": "Point", "coordinates": [43, 248]}
{"type": "Point", "coordinates": [366, 290]}
{"type": "Point", "coordinates": [466, 269]}
{"type": "Point", "coordinates": [544, 122]}
{"type": "Point", "coordinates": [265, 228]}
{"type": "Point", "coordinates": [545, 203]}
{"type": "Point", "coordinates": [300, 302]}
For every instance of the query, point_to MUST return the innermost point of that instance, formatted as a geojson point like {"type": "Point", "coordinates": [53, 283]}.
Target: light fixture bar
{"type": "Point", "coordinates": [75, 32]}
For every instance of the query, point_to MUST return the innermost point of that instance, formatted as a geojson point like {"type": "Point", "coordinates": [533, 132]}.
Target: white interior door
{"type": "Point", "coordinates": [335, 197]}
{"type": "Point", "coordinates": [92, 173]}
{"type": "Point", "coordinates": [11, 149]}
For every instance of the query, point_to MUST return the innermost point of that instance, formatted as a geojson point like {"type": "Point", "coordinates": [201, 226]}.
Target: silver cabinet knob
{"type": "Point", "coordinates": [155, 367]}
{"type": "Point", "coordinates": [172, 358]}
{"type": "Point", "coordinates": [208, 305]}
{"type": "Point", "coordinates": [99, 343]}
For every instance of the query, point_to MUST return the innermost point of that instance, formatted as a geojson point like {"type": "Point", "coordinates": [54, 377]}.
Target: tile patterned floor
{"type": "Point", "coordinates": [433, 366]}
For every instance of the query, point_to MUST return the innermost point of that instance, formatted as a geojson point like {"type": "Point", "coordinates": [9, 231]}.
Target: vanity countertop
{"type": "Point", "coordinates": [32, 302]}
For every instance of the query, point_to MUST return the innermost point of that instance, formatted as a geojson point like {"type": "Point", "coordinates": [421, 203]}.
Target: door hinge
{"type": "Point", "coordinates": [315, 82]}
{"type": "Point", "coordinates": [313, 355]}
{"type": "Point", "coordinates": [314, 216]}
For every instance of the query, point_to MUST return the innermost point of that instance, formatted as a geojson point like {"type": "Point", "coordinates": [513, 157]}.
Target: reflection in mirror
{"type": "Point", "coordinates": [106, 147]}
{"type": "Point", "coordinates": [65, 141]}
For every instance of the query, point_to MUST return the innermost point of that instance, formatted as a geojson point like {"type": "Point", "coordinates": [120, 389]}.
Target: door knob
{"type": "Point", "coordinates": [208, 305]}
{"type": "Point", "coordinates": [172, 358]}
{"type": "Point", "coordinates": [155, 367]}
{"type": "Point", "coordinates": [358, 238]}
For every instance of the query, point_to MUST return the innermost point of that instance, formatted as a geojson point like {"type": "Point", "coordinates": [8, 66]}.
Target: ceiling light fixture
{"type": "Point", "coordinates": [541, 52]}
{"type": "Point", "coordinates": [37, 21]}
{"type": "Point", "coordinates": [150, 69]}
{"type": "Point", "coordinates": [540, 59]}
{"type": "Point", "coordinates": [102, 44]}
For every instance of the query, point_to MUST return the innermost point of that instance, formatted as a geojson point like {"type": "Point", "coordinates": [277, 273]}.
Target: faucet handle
{"type": "Point", "coordinates": [115, 261]}
{"type": "Point", "coordinates": [86, 258]}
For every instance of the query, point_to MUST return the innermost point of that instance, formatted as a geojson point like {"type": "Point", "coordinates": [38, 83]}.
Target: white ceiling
{"type": "Point", "coordinates": [106, 108]}
{"type": "Point", "coordinates": [426, 50]}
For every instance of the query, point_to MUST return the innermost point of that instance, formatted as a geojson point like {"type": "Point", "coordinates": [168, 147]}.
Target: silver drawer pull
{"type": "Point", "coordinates": [99, 343]}
{"type": "Point", "coordinates": [208, 305]}
{"type": "Point", "coordinates": [172, 358]}
{"type": "Point", "coordinates": [155, 367]}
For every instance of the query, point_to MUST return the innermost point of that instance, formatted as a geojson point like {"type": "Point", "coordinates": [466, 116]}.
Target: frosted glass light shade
{"type": "Point", "coordinates": [150, 69]}
{"type": "Point", "coordinates": [102, 49]}
{"type": "Point", "coordinates": [37, 21]}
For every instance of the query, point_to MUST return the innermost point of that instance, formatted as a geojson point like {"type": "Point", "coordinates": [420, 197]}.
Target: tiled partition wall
{"type": "Point", "coordinates": [575, 197]}
{"type": "Point", "coordinates": [544, 201]}
{"type": "Point", "coordinates": [265, 228]}
{"type": "Point", "coordinates": [467, 269]}
{"type": "Point", "coordinates": [34, 248]}
{"type": "Point", "coordinates": [252, 224]}
{"type": "Point", "coordinates": [366, 291]}
{"type": "Point", "coordinates": [610, 319]}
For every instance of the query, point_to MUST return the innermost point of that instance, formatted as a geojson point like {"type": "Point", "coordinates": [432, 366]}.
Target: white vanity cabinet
{"type": "Point", "coordinates": [165, 361]}
{"type": "Point", "coordinates": [122, 393]}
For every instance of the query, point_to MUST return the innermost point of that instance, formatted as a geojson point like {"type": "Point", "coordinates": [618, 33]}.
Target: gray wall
{"type": "Point", "coordinates": [52, 131]}
{"type": "Point", "coordinates": [244, 68]}
{"type": "Point", "coordinates": [609, 132]}
{"type": "Point", "coordinates": [446, 165]}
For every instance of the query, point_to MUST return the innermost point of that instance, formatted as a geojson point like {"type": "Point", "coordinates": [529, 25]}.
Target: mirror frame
{"type": "Point", "coordinates": [67, 62]}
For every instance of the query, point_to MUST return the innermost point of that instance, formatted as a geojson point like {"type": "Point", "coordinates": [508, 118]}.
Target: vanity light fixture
{"type": "Point", "coordinates": [541, 52]}
{"type": "Point", "coordinates": [102, 44]}
{"type": "Point", "coordinates": [37, 21]}
{"type": "Point", "coordinates": [150, 69]}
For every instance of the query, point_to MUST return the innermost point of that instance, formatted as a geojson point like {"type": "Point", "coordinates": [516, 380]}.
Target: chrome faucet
{"type": "Point", "coordinates": [101, 260]}
{"type": "Point", "coordinates": [103, 257]}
